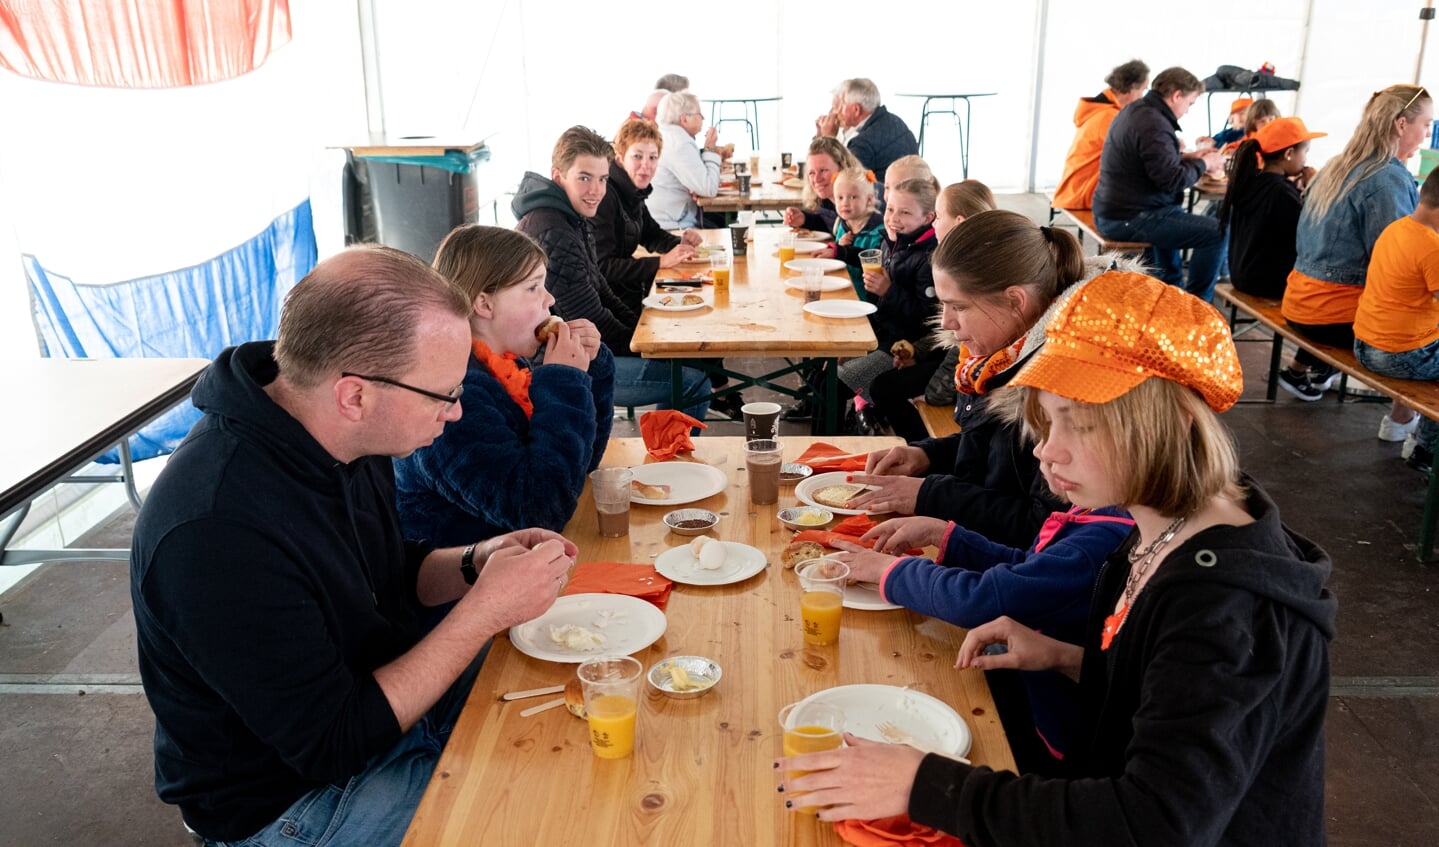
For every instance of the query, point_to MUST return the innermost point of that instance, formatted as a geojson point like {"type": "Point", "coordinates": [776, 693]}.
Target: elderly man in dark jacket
{"type": "Point", "coordinates": [557, 213]}
{"type": "Point", "coordinates": [1142, 177]}
{"type": "Point", "coordinates": [877, 137]}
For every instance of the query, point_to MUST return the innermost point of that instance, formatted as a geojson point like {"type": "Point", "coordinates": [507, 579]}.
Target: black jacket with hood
{"type": "Point", "coordinates": [621, 224]}
{"type": "Point", "coordinates": [1141, 168]}
{"type": "Point", "coordinates": [574, 276]}
{"type": "Point", "coordinates": [269, 581]}
{"type": "Point", "coordinates": [1206, 713]}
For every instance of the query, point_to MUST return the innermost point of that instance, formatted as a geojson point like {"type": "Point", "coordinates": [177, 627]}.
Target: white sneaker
{"type": "Point", "coordinates": [1391, 431]}
{"type": "Point", "coordinates": [1410, 442]}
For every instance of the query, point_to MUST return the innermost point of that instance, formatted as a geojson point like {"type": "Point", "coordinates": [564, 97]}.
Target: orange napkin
{"type": "Point", "coordinates": [818, 457]}
{"type": "Point", "coordinates": [887, 832]}
{"type": "Point", "coordinates": [667, 432]}
{"type": "Point", "coordinates": [640, 581]}
{"type": "Point", "coordinates": [850, 529]}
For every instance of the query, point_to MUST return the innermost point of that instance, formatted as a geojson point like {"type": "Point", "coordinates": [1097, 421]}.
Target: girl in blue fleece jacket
{"type": "Point", "coordinates": [974, 580]}
{"type": "Point", "coordinates": [519, 454]}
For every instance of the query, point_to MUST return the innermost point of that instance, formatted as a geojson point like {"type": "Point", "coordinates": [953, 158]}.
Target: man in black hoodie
{"type": "Point", "coordinates": [279, 611]}
{"type": "Point", "coordinates": [558, 213]}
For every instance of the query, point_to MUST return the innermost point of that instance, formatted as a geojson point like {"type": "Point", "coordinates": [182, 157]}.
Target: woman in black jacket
{"type": "Point", "coordinates": [623, 222]}
{"type": "Point", "coordinates": [1205, 676]}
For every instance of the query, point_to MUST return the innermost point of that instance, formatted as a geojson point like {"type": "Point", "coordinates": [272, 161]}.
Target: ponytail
{"type": "Point", "coordinates": [1068, 257]}
{"type": "Point", "coordinates": [996, 249]}
{"type": "Point", "coordinates": [1246, 166]}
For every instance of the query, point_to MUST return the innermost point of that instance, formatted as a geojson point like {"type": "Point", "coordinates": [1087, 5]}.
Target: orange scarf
{"type": "Point", "coordinates": [515, 379]}
{"type": "Point", "coordinates": [974, 372]}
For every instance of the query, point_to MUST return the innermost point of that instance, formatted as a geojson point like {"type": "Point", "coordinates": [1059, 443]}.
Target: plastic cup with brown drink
{"type": "Point", "coordinates": [810, 728]}
{"type": "Point", "coordinates": [786, 247]}
{"type": "Point", "coordinates": [869, 260]}
{"type": "Point", "coordinates": [761, 420]}
{"type": "Point", "coordinates": [611, 686]}
{"type": "Point", "coordinates": [611, 489]}
{"type": "Point", "coordinates": [813, 282]}
{"type": "Point", "coordinates": [720, 269]}
{"type": "Point", "coordinates": [762, 460]}
{"type": "Point", "coordinates": [821, 585]}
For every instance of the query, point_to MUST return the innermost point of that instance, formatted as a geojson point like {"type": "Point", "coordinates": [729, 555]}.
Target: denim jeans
{"type": "Point", "coordinates": [641, 382]}
{"type": "Point", "coordinates": [373, 808]}
{"type": "Point", "coordinates": [1422, 363]}
{"type": "Point", "coordinates": [1171, 230]}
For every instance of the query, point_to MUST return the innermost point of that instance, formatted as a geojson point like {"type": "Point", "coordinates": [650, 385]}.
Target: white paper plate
{"type": "Point", "coordinates": [825, 265]}
{"type": "Point", "coordinates": [806, 488]}
{"type": "Point", "coordinates": [866, 598]}
{"type": "Point", "coordinates": [840, 308]}
{"type": "Point", "coordinates": [826, 283]}
{"type": "Point", "coordinates": [688, 482]}
{"type": "Point", "coordinates": [793, 182]}
{"type": "Point", "coordinates": [653, 302]}
{"type": "Point", "coordinates": [928, 719]}
{"type": "Point", "coordinates": [741, 562]}
{"type": "Point", "coordinates": [807, 247]}
{"type": "Point", "coordinates": [627, 623]}
{"type": "Point", "coordinates": [812, 235]}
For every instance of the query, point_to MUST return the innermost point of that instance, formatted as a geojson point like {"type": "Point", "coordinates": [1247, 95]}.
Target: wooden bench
{"type": "Point", "coordinates": [938, 420]}
{"type": "Point", "coordinates": [1420, 395]}
{"type": "Point", "coordinates": [1083, 220]}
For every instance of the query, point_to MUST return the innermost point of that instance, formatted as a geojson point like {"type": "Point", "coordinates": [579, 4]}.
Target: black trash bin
{"type": "Point", "coordinates": [410, 202]}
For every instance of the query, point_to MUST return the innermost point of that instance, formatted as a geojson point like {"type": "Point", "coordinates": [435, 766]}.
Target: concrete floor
{"type": "Point", "coordinates": [78, 771]}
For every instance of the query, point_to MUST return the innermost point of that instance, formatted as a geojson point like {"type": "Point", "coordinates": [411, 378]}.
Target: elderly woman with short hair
{"type": "Point", "coordinates": [685, 171]}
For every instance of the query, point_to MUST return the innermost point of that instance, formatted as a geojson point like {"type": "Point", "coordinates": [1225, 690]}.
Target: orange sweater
{"type": "Point", "coordinates": [1092, 118]}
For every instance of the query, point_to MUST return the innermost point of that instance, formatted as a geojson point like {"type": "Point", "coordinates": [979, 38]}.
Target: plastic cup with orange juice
{"type": "Point", "coordinates": [611, 687]}
{"type": "Point", "coordinates": [810, 728]}
{"type": "Point", "coordinates": [720, 269]}
{"type": "Point", "coordinates": [869, 260]}
{"type": "Point", "coordinates": [821, 583]}
{"type": "Point", "coordinates": [786, 247]}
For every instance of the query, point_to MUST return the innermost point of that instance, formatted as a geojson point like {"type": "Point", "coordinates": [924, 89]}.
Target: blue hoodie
{"type": "Point", "coordinates": [1047, 587]}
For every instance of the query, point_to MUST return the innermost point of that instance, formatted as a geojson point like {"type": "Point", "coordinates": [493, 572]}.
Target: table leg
{"type": "Point", "coordinates": [831, 396]}
{"type": "Point", "coordinates": [964, 137]}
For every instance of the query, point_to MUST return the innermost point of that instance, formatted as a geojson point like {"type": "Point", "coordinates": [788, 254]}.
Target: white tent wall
{"type": "Point", "coordinates": [518, 72]}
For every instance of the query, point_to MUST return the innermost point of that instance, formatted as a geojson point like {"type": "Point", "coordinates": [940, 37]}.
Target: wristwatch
{"type": "Point", "coordinates": [467, 565]}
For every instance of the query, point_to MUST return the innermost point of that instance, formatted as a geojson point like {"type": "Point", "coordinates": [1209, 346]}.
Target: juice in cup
{"type": "Point", "coordinates": [821, 583]}
{"type": "Point", "coordinates": [612, 726]}
{"type": "Point", "coordinates": [869, 260]}
{"type": "Point", "coordinates": [810, 728]}
{"type": "Point", "coordinates": [720, 270]}
{"type": "Point", "coordinates": [820, 611]}
{"type": "Point", "coordinates": [611, 687]}
{"type": "Point", "coordinates": [786, 247]}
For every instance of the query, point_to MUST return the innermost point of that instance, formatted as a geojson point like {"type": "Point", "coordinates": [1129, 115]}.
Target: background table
{"type": "Point", "coordinates": [761, 317]}
{"type": "Point", "coordinates": [701, 772]}
{"type": "Point", "coordinates": [64, 413]}
{"type": "Point", "coordinates": [925, 112]}
{"type": "Point", "coordinates": [750, 118]}
{"type": "Point", "coordinates": [768, 197]}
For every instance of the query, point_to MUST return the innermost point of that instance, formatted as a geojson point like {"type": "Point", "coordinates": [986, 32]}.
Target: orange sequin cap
{"type": "Point", "coordinates": [1122, 328]}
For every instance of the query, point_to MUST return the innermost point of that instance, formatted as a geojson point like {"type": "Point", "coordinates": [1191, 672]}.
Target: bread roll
{"type": "Point", "coordinates": [800, 551]}
{"type": "Point", "coordinates": [548, 329]}
{"type": "Point", "coordinates": [902, 350]}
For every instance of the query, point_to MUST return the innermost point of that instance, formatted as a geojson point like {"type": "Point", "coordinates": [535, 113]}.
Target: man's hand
{"type": "Point", "coordinates": [681, 253]}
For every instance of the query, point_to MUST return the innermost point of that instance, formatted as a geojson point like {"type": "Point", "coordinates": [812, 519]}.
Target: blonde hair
{"type": "Point", "coordinates": [926, 191]}
{"type": "Point", "coordinates": [858, 176]}
{"type": "Point", "coordinates": [484, 259]}
{"type": "Point", "coordinates": [1167, 449]}
{"type": "Point", "coordinates": [1373, 144]}
{"type": "Point", "coordinates": [966, 199]}
{"type": "Point", "coordinates": [843, 161]}
{"type": "Point", "coordinates": [911, 167]}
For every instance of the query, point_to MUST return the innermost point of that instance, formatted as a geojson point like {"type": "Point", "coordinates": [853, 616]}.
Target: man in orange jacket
{"type": "Point", "coordinates": [1091, 121]}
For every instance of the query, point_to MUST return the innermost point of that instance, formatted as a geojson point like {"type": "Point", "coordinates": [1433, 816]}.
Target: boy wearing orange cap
{"type": "Point", "coordinates": [1234, 130]}
{"type": "Point", "coordinates": [1396, 327]}
{"type": "Point", "coordinates": [1205, 671]}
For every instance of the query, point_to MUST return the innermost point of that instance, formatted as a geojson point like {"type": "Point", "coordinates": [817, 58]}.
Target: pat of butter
{"type": "Point", "coordinates": [680, 680]}
{"type": "Point", "coordinates": [809, 519]}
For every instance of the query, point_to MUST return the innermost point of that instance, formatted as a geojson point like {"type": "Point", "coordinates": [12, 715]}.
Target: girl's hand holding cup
{"type": "Point", "coordinates": [877, 282]}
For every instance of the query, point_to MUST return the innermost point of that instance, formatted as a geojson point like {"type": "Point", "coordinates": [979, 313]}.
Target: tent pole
{"type": "Point", "coordinates": [1426, 14]}
{"type": "Point", "coordinates": [1038, 93]}
{"type": "Point", "coordinates": [370, 66]}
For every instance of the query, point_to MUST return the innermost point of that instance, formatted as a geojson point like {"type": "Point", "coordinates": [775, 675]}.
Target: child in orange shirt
{"type": "Point", "coordinates": [1396, 327]}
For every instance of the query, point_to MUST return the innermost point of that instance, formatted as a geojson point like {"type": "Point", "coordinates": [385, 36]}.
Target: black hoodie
{"type": "Point", "coordinates": [574, 277]}
{"type": "Point", "coordinates": [269, 581]}
{"type": "Point", "coordinates": [1206, 713]}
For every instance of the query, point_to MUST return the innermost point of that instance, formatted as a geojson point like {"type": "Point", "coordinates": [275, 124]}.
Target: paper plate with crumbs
{"type": "Point", "coordinates": [583, 626]}
{"type": "Point", "coordinates": [928, 720]}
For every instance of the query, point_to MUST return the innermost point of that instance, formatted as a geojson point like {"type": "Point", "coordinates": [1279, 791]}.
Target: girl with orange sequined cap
{"type": "Point", "coordinates": [1205, 674]}
{"type": "Point", "coordinates": [529, 435]}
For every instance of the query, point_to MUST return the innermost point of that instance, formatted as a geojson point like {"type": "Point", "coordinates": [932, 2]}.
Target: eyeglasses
{"type": "Point", "coordinates": [433, 395]}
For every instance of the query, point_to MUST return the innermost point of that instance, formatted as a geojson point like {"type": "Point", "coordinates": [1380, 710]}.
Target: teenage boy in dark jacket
{"type": "Point", "coordinates": [558, 213]}
{"type": "Point", "coordinates": [1142, 177]}
{"type": "Point", "coordinates": [278, 608]}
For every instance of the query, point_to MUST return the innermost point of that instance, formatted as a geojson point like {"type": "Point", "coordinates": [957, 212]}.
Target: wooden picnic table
{"type": "Point", "coordinates": [701, 770]}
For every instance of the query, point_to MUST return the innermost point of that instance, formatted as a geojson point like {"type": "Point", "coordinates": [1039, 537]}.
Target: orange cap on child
{"type": "Point", "coordinates": [1122, 328]}
{"type": "Point", "coordinates": [1282, 133]}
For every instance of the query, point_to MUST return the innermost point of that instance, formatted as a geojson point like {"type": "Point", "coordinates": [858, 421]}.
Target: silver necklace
{"type": "Point", "coordinates": [1145, 557]}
